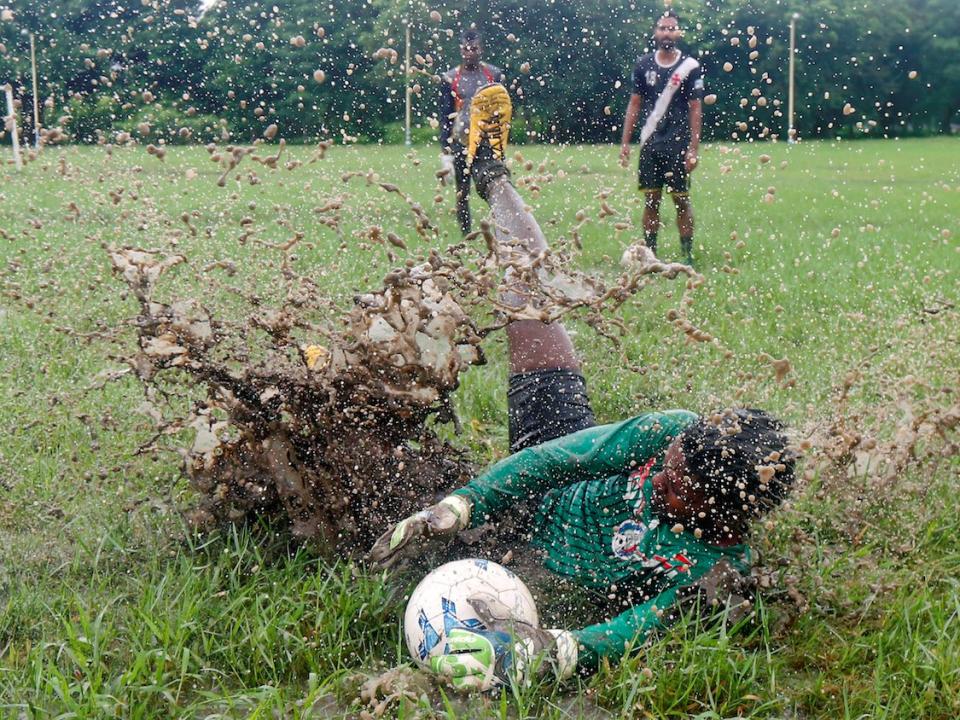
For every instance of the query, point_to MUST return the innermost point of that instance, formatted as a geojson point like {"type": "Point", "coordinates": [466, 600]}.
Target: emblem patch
{"type": "Point", "coordinates": [651, 78]}
{"type": "Point", "coordinates": [627, 539]}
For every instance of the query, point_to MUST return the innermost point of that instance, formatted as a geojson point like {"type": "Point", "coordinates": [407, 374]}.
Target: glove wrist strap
{"type": "Point", "coordinates": [460, 507]}
{"type": "Point", "coordinates": [566, 653]}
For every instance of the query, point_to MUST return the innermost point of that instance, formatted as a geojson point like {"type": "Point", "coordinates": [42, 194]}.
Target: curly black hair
{"type": "Point", "coordinates": [741, 461]}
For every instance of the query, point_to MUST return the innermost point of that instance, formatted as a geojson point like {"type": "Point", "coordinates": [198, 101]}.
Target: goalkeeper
{"type": "Point", "coordinates": [641, 510]}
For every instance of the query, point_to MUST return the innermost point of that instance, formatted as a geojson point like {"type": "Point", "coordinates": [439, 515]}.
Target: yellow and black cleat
{"type": "Point", "coordinates": [490, 115]}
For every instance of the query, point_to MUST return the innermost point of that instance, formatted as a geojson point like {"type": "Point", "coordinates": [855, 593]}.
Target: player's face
{"type": "Point", "coordinates": [470, 51]}
{"type": "Point", "coordinates": [675, 491]}
{"type": "Point", "coordinates": [667, 33]}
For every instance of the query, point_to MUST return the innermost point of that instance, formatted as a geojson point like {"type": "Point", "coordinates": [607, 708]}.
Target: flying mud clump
{"type": "Point", "coordinates": [330, 433]}
{"type": "Point", "coordinates": [327, 425]}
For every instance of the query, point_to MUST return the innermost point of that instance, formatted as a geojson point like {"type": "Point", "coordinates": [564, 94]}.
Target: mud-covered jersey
{"type": "Point", "coordinates": [672, 134]}
{"type": "Point", "coordinates": [458, 85]}
{"type": "Point", "coordinates": [595, 522]}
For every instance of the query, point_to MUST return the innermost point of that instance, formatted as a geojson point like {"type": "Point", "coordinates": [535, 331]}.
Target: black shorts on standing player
{"type": "Point", "coordinates": [659, 169]}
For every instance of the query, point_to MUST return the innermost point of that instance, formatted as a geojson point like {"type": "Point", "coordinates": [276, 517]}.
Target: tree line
{"type": "Point", "coordinates": [180, 72]}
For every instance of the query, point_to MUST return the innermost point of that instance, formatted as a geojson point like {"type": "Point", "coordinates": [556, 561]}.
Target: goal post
{"type": "Point", "coordinates": [10, 121]}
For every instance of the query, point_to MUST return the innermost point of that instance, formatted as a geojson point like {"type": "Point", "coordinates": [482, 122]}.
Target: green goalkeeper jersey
{"type": "Point", "coordinates": [595, 524]}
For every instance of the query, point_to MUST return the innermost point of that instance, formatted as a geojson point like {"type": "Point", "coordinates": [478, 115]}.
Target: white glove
{"type": "Point", "coordinates": [446, 518]}
{"type": "Point", "coordinates": [446, 171]}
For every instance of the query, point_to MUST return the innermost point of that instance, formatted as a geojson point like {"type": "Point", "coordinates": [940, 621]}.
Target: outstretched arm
{"type": "Point", "coordinates": [590, 454]}
{"type": "Point", "coordinates": [721, 586]}
{"type": "Point", "coordinates": [611, 639]}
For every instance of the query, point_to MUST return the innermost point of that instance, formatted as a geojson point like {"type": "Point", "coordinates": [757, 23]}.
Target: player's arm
{"type": "Point", "coordinates": [590, 454]}
{"type": "Point", "coordinates": [695, 108]}
{"type": "Point", "coordinates": [446, 172]}
{"type": "Point", "coordinates": [723, 588]}
{"type": "Point", "coordinates": [446, 106]}
{"type": "Point", "coordinates": [612, 639]}
{"type": "Point", "coordinates": [629, 122]}
{"type": "Point", "coordinates": [473, 655]}
{"type": "Point", "coordinates": [693, 89]}
{"type": "Point", "coordinates": [596, 452]}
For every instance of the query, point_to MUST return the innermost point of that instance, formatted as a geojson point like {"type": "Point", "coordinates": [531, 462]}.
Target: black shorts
{"type": "Point", "coordinates": [661, 167]}
{"type": "Point", "coordinates": [546, 404]}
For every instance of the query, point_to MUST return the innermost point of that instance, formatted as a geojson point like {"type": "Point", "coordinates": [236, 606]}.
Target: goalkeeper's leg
{"type": "Point", "coordinates": [547, 395]}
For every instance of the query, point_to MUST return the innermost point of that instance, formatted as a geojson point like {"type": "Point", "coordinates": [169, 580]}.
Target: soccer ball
{"type": "Point", "coordinates": [440, 603]}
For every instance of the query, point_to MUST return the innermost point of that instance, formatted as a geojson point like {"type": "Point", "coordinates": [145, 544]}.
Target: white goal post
{"type": "Point", "coordinates": [10, 121]}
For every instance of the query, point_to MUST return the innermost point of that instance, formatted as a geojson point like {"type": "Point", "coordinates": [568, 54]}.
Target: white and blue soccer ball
{"type": "Point", "coordinates": [441, 602]}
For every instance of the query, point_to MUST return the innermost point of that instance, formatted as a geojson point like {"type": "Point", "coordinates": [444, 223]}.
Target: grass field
{"type": "Point", "coordinates": [852, 273]}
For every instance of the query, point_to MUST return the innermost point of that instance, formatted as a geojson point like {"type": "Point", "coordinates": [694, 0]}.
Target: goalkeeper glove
{"type": "Point", "coordinates": [506, 648]}
{"type": "Point", "coordinates": [446, 518]}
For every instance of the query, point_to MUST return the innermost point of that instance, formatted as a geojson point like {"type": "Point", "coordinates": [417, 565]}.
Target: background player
{"type": "Point", "coordinates": [667, 90]}
{"type": "Point", "coordinates": [457, 88]}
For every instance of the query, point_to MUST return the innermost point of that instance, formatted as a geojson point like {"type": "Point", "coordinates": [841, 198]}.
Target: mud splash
{"type": "Point", "coordinates": [332, 427]}
{"type": "Point", "coordinates": [877, 461]}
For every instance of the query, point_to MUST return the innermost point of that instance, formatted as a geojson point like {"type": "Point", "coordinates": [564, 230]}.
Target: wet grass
{"type": "Point", "coordinates": [108, 609]}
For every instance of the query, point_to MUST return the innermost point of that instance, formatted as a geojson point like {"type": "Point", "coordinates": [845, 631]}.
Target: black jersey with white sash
{"type": "Point", "coordinates": [650, 78]}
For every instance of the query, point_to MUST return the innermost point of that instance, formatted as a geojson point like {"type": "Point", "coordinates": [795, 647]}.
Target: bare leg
{"type": "Point", "coordinates": [546, 394]}
{"type": "Point", "coordinates": [685, 224]}
{"type": "Point", "coordinates": [684, 214]}
{"type": "Point", "coordinates": [533, 345]}
{"type": "Point", "coordinates": [651, 211]}
{"type": "Point", "coordinates": [463, 209]}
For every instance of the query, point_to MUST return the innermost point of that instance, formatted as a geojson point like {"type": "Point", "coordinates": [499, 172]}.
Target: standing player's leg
{"type": "Point", "coordinates": [651, 217]}
{"type": "Point", "coordinates": [685, 224]}
{"type": "Point", "coordinates": [650, 179]}
{"type": "Point", "coordinates": [463, 187]}
{"type": "Point", "coordinates": [678, 185]}
{"type": "Point", "coordinates": [547, 395]}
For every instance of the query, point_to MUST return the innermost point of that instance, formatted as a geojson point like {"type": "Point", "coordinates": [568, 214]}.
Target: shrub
{"type": "Point", "coordinates": [169, 123]}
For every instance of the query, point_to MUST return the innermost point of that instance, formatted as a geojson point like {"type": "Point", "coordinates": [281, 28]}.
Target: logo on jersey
{"type": "Point", "coordinates": [635, 482]}
{"type": "Point", "coordinates": [698, 84]}
{"type": "Point", "coordinates": [627, 539]}
{"type": "Point", "coordinates": [639, 476]}
{"type": "Point", "coordinates": [673, 566]}
{"type": "Point", "coordinates": [675, 80]}
{"type": "Point", "coordinates": [652, 77]}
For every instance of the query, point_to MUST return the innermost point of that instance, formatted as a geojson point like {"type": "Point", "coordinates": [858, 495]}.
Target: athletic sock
{"type": "Point", "coordinates": [650, 240]}
{"type": "Point", "coordinates": [485, 169]}
{"type": "Point", "coordinates": [686, 244]}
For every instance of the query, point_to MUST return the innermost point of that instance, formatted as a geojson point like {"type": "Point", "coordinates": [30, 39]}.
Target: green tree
{"type": "Point", "coordinates": [568, 62]}
{"type": "Point", "coordinates": [262, 63]}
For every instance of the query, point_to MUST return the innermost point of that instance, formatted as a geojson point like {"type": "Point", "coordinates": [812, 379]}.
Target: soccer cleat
{"type": "Point", "coordinates": [490, 115]}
